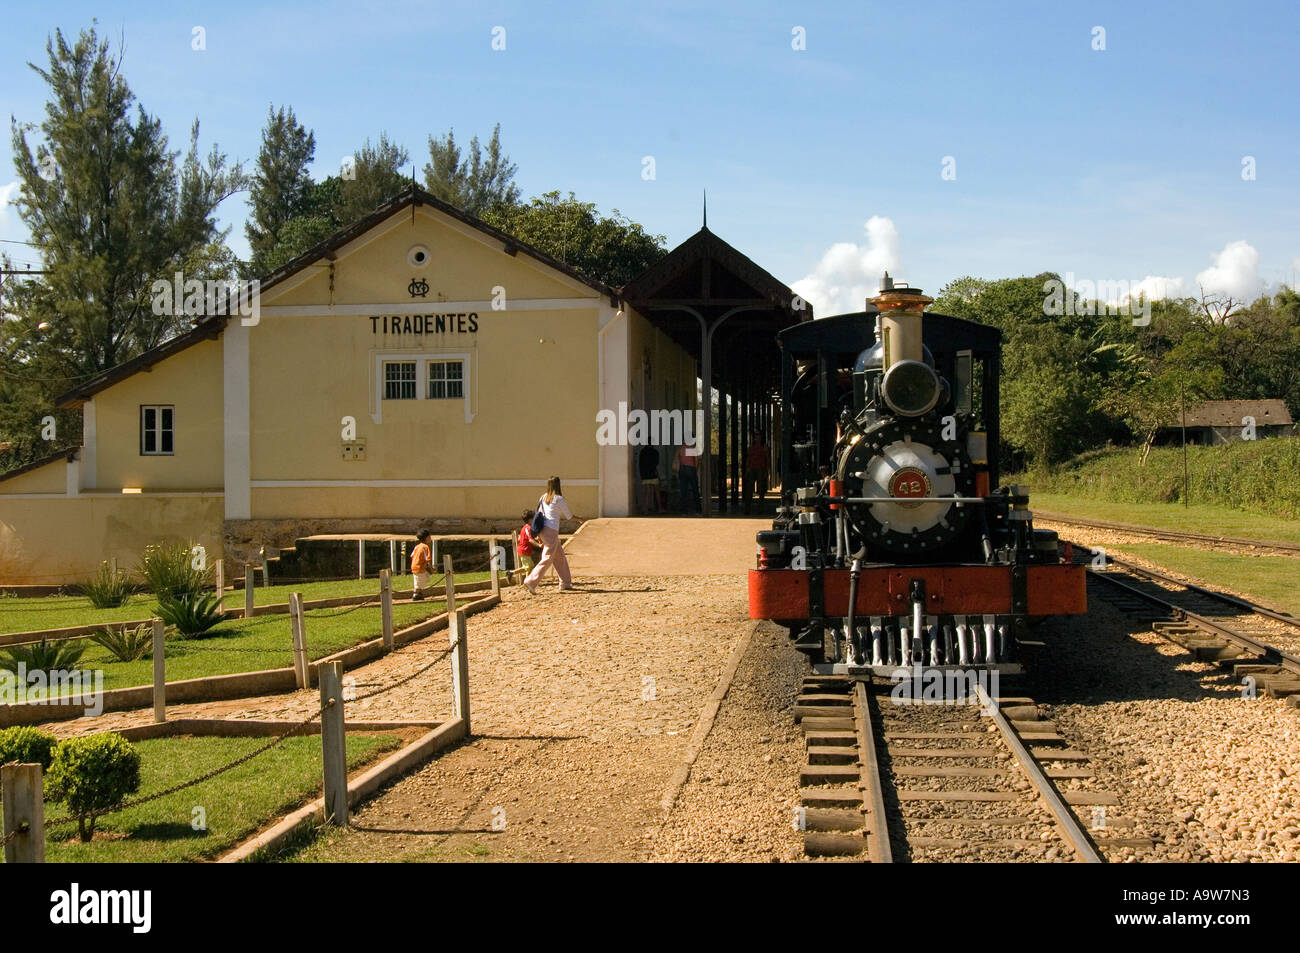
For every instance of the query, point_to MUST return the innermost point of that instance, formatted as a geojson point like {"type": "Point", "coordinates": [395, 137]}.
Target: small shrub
{"type": "Point", "coordinates": [169, 572]}
{"type": "Point", "coordinates": [107, 589]}
{"type": "Point", "coordinates": [125, 644]}
{"type": "Point", "coordinates": [26, 745]}
{"type": "Point", "coordinates": [44, 656]}
{"type": "Point", "coordinates": [191, 615]}
{"type": "Point", "coordinates": [94, 773]}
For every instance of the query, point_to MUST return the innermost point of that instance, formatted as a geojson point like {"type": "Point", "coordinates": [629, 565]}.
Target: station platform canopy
{"type": "Point", "coordinates": [726, 311]}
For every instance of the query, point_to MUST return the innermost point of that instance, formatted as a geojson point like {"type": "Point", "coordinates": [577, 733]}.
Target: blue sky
{"type": "Point", "coordinates": [1122, 163]}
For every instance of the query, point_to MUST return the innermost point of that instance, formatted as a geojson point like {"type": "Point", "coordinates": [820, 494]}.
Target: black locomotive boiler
{"type": "Point", "coordinates": [895, 546]}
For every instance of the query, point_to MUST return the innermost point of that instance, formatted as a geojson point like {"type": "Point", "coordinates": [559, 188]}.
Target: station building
{"type": "Point", "coordinates": [417, 368]}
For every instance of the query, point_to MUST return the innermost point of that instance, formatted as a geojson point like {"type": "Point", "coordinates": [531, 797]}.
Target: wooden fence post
{"type": "Point", "coordinates": [514, 552]}
{"type": "Point", "coordinates": [21, 789]}
{"type": "Point", "coordinates": [219, 571]}
{"type": "Point", "coordinates": [494, 563]}
{"type": "Point", "coordinates": [459, 668]}
{"type": "Point", "coordinates": [298, 632]}
{"type": "Point", "coordinates": [159, 672]}
{"type": "Point", "coordinates": [405, 566]}
{"type": "Point", "coordinates": [333, 744]}
{"type": "Point", "coordinates": [266, 569]}
{"type": "Point", "coordinates": [361, 559]}
{"type": "Point", "coordinates": [392, 556]}
{"type": "Point", "coordinates": [449, 576]}
{"type": "Point", "coordinates": [386, 606]}
{"type": "Point", "coordinates": [248, 590]}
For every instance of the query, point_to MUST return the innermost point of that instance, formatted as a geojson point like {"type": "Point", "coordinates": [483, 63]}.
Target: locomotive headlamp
{"type": "Point", "coordinates": [910, 388]}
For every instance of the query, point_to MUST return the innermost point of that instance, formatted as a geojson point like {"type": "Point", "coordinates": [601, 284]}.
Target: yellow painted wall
{"type": "Point", "coordinates": [417, 503]}
{"type": "Point", "coordinates": [532, 383]}
{"type": "Point", "coordinates": [191, 381]}
{"type": "Point", "coordinates": [61, 541]}
{"type": "Point", "coordinates": [51, 478]}
{"type": "Point", "coordinates": [461, 267]}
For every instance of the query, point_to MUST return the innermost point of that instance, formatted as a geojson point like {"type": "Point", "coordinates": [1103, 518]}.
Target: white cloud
{"type": "Point", "coordinates": [1235, 273]}
{"type": "Point", "coordinates": [848, 274]}
{"type": "Point", "coordinates": [1154, 288]}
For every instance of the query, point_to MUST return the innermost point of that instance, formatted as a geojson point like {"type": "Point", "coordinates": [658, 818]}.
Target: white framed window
{"type": "Point", "coordinates": [157, 430]}
{"type": "Point", "coordinates": [406, 375]}
{"type": "Point", "coordinates": [399, 380]}
{"type": "Point", "coordinates": [446, 380]}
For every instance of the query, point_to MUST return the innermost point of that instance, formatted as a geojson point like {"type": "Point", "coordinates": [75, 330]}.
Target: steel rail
{"type": "Point", "coordinates": [1270, 653]}
{"type": "Point", "coordinates": [1173, 534]}
{"type": "Point", "coordinates": [1065, 819]}
{"type": "Point", "coordinates": [1211, 593]}
{"type": "Point", "coordinates": [873, 794]}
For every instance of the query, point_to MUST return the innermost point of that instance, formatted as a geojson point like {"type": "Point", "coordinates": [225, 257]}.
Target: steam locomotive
{"type": "Point", "coordinates": [894, 545]}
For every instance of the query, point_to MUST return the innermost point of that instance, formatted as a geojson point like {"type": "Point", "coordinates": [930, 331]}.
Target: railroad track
{"type": "Point", "coordinates": [1247, 639]}
{"type": "Point", "coordinates": [888, 782]}
{"type": "Point", "coordinates": [1233, 543]}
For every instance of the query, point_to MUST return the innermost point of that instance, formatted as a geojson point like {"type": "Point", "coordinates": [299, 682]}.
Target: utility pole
{"type": "Point", "coordinates": [1182, 414]}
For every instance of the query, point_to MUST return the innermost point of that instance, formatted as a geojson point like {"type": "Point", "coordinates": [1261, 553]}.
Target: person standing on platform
{"type": "Point", "coordinates": [688, 480]}
{"type": "Point", "coordinates": [648, 470]}
{"type": "Point", "coordinates": [757, 462]}
{"type": "Point", "coordinates": [554, 508]}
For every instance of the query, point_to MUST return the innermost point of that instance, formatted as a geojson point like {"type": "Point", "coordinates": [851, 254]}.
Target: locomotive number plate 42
{"type": "Point", "coordinates": [909, 483]}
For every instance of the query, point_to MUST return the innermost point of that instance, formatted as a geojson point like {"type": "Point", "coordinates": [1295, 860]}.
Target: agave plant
{"type": "Point", "coordinates": [108, 588]}
{"type": "Point", "coordinates": [168, 570]}
{"type": "Point", "coordinates": [44, 656]}
{"type": "Point", "coordinates": [126, 644]}
{"type": "Point", "coordinates": [191, 615]}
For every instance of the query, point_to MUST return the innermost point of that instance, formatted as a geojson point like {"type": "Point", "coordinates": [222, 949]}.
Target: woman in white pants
{"type": "Point", "coordinates": [554, 509]}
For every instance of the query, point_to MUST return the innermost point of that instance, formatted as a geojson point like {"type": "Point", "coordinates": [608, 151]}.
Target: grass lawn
{"type": "Point", "coordinates": [1268, 580]}
{"type": "Point", "coordinates": [1197, 518]}
{"type": "Point", "coordinates": [28, 614]}
{"type": "Point", "coordinates": [23, 614]}
{"type": "Point", "coordinates": [249, 645]}
{"type": "Point", "coordinates": [236, 804]}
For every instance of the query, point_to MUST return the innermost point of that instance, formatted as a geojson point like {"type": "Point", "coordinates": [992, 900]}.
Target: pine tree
{"type": "Point", "coordinates": [478, 182]}
{"type": "Point", "coordinates": [377, 174]}
{"type": "Point", "coordinates": [110, 211]}
{"type": "Point", "coordinates": [281, 186]}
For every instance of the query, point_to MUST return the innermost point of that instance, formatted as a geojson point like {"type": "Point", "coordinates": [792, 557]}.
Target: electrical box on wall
{"type": "Point", "coordinates": [354, 450]}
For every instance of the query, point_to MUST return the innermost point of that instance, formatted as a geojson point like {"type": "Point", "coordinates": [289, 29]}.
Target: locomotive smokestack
{"type": "Point", "coordinates": [900, 321]}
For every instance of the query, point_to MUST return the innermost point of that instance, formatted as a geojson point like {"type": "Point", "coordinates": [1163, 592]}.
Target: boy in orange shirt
{"type": "Point", "coordinates": [422, 563]}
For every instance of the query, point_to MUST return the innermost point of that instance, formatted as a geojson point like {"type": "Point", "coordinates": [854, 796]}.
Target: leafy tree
{"type": "Point", "coordinates": [613, 249]}
{"type": "Point", "coordinates": [1053, 367]}
{"type": "Point", "coordinates": [281, 186]}
{"type": "Point", "coordinates": [480, 181]}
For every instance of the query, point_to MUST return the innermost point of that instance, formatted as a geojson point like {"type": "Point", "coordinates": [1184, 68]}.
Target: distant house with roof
{"type": "Point", "coordinates": [1223, 421]}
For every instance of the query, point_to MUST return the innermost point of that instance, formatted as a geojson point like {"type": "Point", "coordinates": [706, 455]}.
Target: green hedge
{"type": "Point", "coordinates": [1256, 476]}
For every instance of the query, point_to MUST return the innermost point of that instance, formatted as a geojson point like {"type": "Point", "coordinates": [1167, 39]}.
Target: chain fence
{"type": "Point", "coordinates": [73, 819]}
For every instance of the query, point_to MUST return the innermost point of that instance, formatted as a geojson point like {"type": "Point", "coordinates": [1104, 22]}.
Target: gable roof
{"type": "Point", "coordinates": [69, 454]}
{"type": "Point", "coordinates": [1228, 413]}
{"type": "Point", "coordinates": [211, 327]}
{"type": "Point", "coordinates": [679, 267]}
